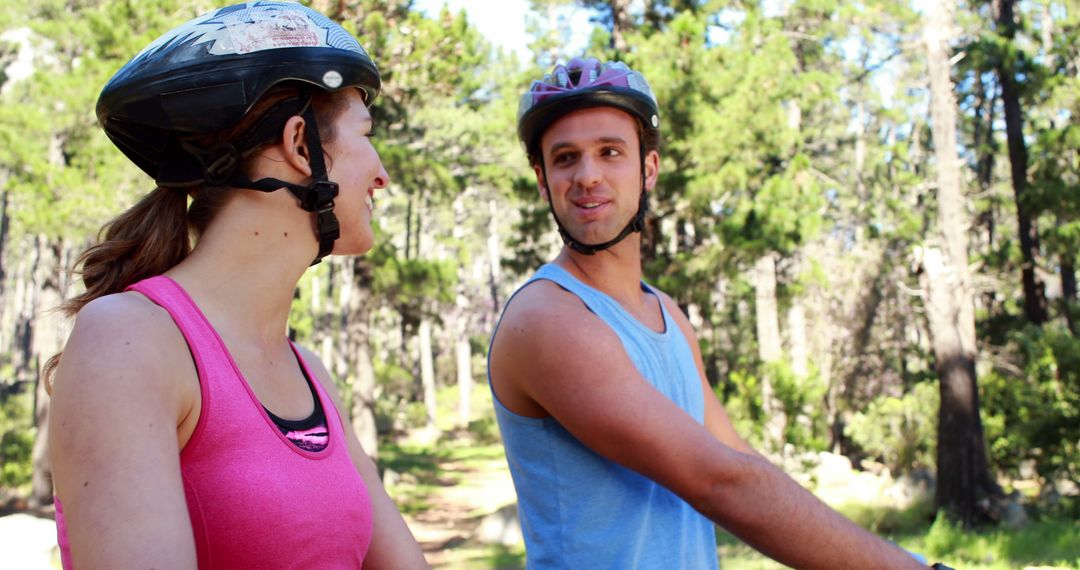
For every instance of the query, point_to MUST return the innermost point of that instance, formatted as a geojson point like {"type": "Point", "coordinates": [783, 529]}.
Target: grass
{"type": "Point", "coordinates": [424, 470]}
{"type": "Point", "coordinates": [471, 556]}
{"type": "Point", "coordinates": [1051, 541]}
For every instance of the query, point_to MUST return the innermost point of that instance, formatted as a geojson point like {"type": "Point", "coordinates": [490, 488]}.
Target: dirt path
{"type": "Point", "coordinates": [457, 506]}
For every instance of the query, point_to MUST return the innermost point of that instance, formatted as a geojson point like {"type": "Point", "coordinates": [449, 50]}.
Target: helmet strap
{"type": "Point", "coordinates": [636, 224]}
{"type": "Point", "coordinates": [316, 197]}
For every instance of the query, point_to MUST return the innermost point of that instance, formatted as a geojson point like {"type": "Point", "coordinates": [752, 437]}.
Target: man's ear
{"type": "Point", "coordinates": [294, 145]}
{"type": "Point", "coordinates": [541, 183]}
{"type": "Point", "coordinates": [652, 169]}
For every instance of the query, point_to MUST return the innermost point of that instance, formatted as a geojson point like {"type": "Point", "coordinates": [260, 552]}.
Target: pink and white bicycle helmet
{"type": "Point", "coordinates": [583, 83]}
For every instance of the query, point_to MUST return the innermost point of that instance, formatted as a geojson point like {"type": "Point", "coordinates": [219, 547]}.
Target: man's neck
{"type": "Point", "coordinates": [615, 271]}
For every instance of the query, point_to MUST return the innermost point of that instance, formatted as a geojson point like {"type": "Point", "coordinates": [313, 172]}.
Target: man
{"type": "Point", "coordinates": [621, 455]}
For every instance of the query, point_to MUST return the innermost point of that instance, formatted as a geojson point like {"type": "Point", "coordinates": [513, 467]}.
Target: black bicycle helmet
{"type": "Point", "coordinates": [580, 84]}
{"type": "Point", "coordinates": [202, 77]}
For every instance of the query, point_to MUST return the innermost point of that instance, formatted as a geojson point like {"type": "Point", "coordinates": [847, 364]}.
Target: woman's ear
{"type": "Point", "coordinates": [294, 145]}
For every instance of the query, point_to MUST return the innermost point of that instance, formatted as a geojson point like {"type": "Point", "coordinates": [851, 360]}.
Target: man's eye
{"type": "Point", "coordinates": [563, 158]}
{"type": "Point", "coordinates": [611, 151]}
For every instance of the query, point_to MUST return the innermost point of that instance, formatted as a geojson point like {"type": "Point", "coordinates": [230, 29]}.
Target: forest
{"type": "Point", "coordinates": [869, 210]}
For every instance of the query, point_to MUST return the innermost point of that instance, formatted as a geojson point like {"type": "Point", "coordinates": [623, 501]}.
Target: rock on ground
{"type": "Point", "coordinates": [28, 543]}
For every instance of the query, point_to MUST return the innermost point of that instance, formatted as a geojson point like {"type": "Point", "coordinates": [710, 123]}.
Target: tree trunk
{"type": "Point", "coordinates": [1068, 291]}
{"type": "Point", "coordinates": [363, 397]}
{"type": "Point", "coordinates": [408, 226]}
{"type": "Point", "coordinates": [41, 488]}
{"type": "Point", "coordinates": [796, 318]}
{"type": "Point", "coordinates": [356, 310]}
{"type": "Point", "coordinates": [620, 24]}
{"type": "Point", "coordinates": [1034, 290]}
{"type": "Point", "coordinates": [494, 256]}
{"type": "Point", "coordinates": [5, 299]}
{"type": "Point", "coordinates": [768, 324]}
{"type": "Point", "coordinates": [427, 369]}
{"type": "Point", "coordinates": [3, 230]}
{"type": "Point", "coordinates": [458, 323]}
{"type": "Point", "coordinates": [769, 348]}
{"type": "Point", "coordinates": [463, 353]}
{"type": "Point", "coordinates": [796, 326]}
{"type": "Point", "coordinates": [963, 474]}
{"type": "Point", "coordinates": [48, 329]}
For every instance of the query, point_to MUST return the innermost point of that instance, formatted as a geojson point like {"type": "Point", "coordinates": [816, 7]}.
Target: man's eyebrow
{"type": "Point", "coordinates": [602, 140]}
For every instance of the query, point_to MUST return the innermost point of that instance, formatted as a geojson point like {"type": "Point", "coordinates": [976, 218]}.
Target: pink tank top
{"type": "Point", "coordinates": [256, 500]}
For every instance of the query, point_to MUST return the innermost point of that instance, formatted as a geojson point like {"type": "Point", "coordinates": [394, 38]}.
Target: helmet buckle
{"type": "Point", "coordinates": [223, 160]}
{"type": "Point", "coordinates": [320, 196]}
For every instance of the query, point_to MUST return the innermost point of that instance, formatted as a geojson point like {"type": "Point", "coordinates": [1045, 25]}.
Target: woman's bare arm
{"type": "Point", "coordinates": [123, 386]}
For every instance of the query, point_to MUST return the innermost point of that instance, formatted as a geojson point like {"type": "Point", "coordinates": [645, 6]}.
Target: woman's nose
{"type": "Point", "coordinates": [382, 179]}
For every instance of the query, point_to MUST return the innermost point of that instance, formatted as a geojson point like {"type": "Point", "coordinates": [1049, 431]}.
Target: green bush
{"type": "Point", "coordinates": [901, 432]}
{"type": "Point", "coordinates": [16, 439]}
{"type": "Point", "coordinates": [801, 398]}
{"type": "Point", "coordinates": [1036, 417]}
{"type": "Point", "coordinates": [15, 448]}
{"type": "Point", "coordinates": [1049, 542]}
{"type": "Point", "coordinates": [743, 405]}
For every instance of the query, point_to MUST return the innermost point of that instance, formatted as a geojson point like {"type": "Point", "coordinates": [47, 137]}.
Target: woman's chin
{"type": "Point", "coordinates": [358, 247]}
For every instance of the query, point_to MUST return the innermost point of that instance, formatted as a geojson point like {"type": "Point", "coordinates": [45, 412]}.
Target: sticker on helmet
{"type": "Point", "coordinates": [332, 79]}
{"type": "Point", "coordinates": [266, 30]}
{"type": "Point", "coordinates": [255, 26]}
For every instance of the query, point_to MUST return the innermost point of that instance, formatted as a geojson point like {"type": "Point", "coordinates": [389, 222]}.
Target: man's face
{"type": "Point", "coordinates": [594, 172]}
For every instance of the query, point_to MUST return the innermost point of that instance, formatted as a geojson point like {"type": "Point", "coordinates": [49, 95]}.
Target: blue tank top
{"type": "Point", "coordinates": [579, 510]}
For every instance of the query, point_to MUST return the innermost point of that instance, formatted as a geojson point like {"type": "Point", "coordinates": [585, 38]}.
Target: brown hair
{"type": "Point", "coordinates": [155, 234]}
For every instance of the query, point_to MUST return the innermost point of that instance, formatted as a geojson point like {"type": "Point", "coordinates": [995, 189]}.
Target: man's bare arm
{"type": "Point", "coordinates": [550, 349]}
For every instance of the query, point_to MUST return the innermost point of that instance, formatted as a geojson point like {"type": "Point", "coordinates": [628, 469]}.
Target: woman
{"type": "Point", "coordinates": [186, 429]}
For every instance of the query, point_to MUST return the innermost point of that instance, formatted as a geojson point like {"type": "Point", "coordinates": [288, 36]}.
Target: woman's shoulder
{"type": "Point", "coordinates": [124, 329]}
{"type": "Point", "coordinates": [121, 314]}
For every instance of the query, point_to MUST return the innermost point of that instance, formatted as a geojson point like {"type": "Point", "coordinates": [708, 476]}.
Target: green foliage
{"type": "Point", "coordinates": [1055, 542]}
{"type": "Point", "coordinates": [66, 178]}
{"type": "Point", "coordinates": [742, 400]}
{"type": "Point", "coordinates": [888, 520]}
{"type": "Point", "coordinates": [803, 401]}
{"type": "Point", "coordinates": [1036, 416]}
{"type": "Point", "coordinates": [899, 431]}
{"type": "Point", "coordinates": [1046, 543]}
{"type": "Point", "coordinates": [16, 438]}
{"type": "Point", "coordinates": [410, 283]}
{"type": "Point", "coordinates": [801, 398]}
